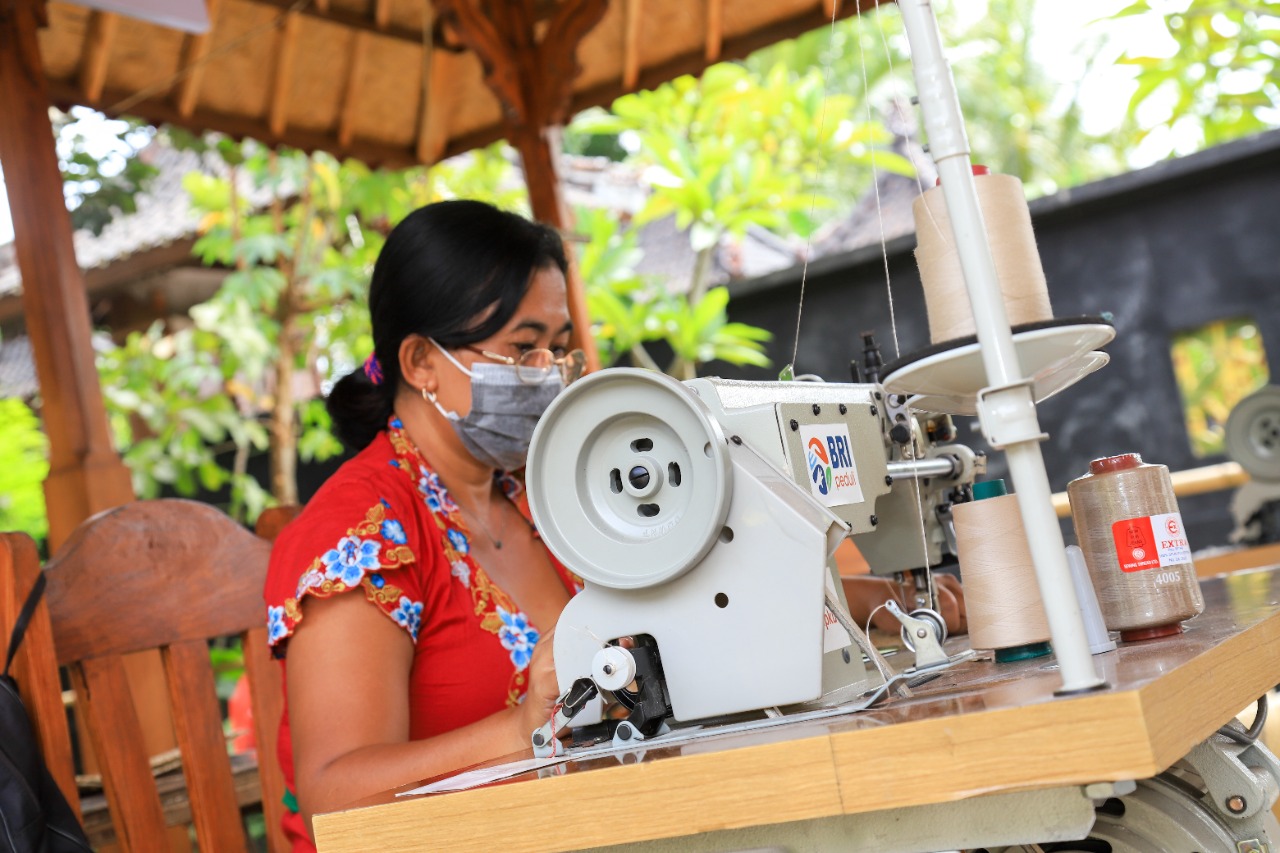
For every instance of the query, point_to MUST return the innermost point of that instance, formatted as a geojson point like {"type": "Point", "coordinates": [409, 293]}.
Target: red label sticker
{"type": "Point", "coordinates": [1135, 544]}
{"type": "Point", "coordinates": [1150, 542]}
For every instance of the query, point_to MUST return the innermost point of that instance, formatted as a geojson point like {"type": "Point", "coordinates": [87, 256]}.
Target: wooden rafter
{"type": "Point", "coordinates": [97, 52]}
{"type": "Point", "coordinates": [500, 71]}
{"type": "Point", "coordinates": [351, 94]}
{"type": "Point", "coordinates": [359, 53]}
{"type": "Point", "coordinates": [631, 43]}
{"type": "Point", "coordinates": [441, 95]}
{"type": "Point", "coordinates": [282, 82]}
{"type": "Point", "coordinates": [715, 29]}
{"type": "Point", "coordinates": [348, 19]}
{"type": "Point", "coordinates": [162, 108]}
{"type": "Point", "coordinates": [195, 47]}
{"type": "Point", "coordinates": [558, 55]}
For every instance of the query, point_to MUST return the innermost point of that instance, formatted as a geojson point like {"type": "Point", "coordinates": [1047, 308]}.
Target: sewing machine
{"type": "Point", "coordinates": [702, 518]}
{"type": "Point", "coordinates": [1253, 439]}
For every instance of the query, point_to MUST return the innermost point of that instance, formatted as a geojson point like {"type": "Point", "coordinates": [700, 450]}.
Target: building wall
{"type": "Point", "coordinates": [1164, 250]}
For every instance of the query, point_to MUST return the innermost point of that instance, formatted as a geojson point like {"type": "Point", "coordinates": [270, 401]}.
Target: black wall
{"type": "Point", "coordinates": [1163, 249]}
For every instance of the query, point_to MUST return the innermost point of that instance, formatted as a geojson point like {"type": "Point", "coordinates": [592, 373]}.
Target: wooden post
{"type": "Point", "coordinates": [539, 154]}
{"type": "Point", "coordinates": [533, 81]}
{"type": "Point", "coordinates": [86, 475]}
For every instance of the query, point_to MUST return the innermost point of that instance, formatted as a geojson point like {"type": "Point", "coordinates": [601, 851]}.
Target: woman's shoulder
{"type": "Point", "coordinates": [360, 530]}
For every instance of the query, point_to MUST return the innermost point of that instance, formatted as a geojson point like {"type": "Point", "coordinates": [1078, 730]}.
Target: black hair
{"type": "Point", "coordinates": [454, 271]}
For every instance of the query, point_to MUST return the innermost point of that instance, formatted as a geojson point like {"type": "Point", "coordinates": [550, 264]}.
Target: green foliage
{"type": "Point", "coordinates": [1222, 79]}
{"type": "Point", "coordinates": [629, 312]}
{"type": "Point", "coordinates": [174, 414]}
{"type": "Point", "coordinates": [24, 463]}
{"type": "Point", "coordinates": [101, 171]}
{"type": "Point", "coordinates": [739, 148]}
{"type": "Point", "coordinates": [298, 235]}
{"type": "Point", "coordinates": [1019, 120]}
{"type": "Point", "coordinates": [735, 149]}
{"type": "Point", "coordinates": [1216, 367]}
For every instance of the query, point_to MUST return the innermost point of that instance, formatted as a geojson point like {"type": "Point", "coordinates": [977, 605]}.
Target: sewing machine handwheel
{"type": "Point", "coordinates": [1252, 435]}
{"type": "Point", "coordinates": [629, 478]}
{"type": "Point", "coordinates": [939, 625]}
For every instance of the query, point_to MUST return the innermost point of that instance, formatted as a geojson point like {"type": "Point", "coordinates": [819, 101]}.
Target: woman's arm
{"type": "Point", "coordinates": [348, 690]}
{"type": "Point", "coordinates": [866, 593]}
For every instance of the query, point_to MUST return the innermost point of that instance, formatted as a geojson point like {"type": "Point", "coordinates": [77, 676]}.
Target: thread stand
{"type": "Point", "coordinates": [947, 377]}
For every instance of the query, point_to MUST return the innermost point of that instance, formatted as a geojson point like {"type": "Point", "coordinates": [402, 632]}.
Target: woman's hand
{"type": "Point", "coordinates": [866, 593]}
{"type": "Point", "coordinates": [543, 690]}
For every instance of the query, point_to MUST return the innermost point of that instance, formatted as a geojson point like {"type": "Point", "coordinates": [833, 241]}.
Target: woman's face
{"type": "Point", "coordinates": [540, 322]}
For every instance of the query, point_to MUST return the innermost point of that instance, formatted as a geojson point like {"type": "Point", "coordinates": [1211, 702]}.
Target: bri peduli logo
{"type": "Point", "coordinates": [828, 459]}
{"type": "Point", "coordinates": [819, 465]}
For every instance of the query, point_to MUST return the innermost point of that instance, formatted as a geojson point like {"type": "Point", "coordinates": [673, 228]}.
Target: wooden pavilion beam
{"type": "Point", "coordinates": [85, 473]}
{"type": "Point", "coordinates": [195, 47]}
{"type": "Point", "coordinates": [533, 80]}
{"type": "Point", "coordinates": [97, 51]}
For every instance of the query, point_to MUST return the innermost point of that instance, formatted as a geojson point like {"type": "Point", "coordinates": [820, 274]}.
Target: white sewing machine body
{"type": "Point", "coordinates": [704, 515]}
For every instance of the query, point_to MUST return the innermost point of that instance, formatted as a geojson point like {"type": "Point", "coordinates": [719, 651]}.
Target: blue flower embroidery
{"type": "Point", "coordinates": [396, 423]}
{"type": "Point", "coordinates": [275, 624]}
{"type": "Point", "coordinates": [351, 559]}
{"type": "Point", "coordinates": [459, 541]}
{"type": "Point", "coordinates": [434, 492]}
{"type": "Point", "coordinates": [409, 614]}
{"type": "Point", "coordinates": [518, 637]}
{"type": "Point", "coordinates": [393, 531]}
{"type": "Point", "coordinates": [377, 580]}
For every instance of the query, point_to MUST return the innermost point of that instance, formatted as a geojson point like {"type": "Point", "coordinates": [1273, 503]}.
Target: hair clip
{"type": "Point", "coordinates": [373, 369]}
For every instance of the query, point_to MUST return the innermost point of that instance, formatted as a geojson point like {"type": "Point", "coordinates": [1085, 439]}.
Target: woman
{"type": "Point", "coordinates": [440, 656]}
{"type": "Point", "coordinates": [422, 667]}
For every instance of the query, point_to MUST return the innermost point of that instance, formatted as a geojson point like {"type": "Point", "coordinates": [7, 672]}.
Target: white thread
{"type": "Point", "coordinates": [875, 183]}
{"type": "Point", "coordinates": [1013, 249]}
{"type": "Point", "coordinates": [813, 201]}
{"type": "Point", "coordinates": [1001, 593]}
{"type": "Point", "coordinates": [888, 284]}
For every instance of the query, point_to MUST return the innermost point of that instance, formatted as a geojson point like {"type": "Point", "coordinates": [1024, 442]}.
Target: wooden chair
{"type": "Point", "coordinates": [163, 574]}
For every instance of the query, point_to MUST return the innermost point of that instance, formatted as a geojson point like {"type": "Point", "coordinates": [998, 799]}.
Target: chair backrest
{"type": "Point", "coordinates": [163, 574]}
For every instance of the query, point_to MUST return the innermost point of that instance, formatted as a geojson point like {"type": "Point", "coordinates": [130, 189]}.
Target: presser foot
{"type": "Point", "coordinates": [633, 676]}
{"type": "Point", "coordinates": [545, 742]}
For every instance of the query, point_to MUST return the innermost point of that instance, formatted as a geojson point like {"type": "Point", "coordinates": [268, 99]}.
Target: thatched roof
{"type": "Point", "coordinates": [347, 76]}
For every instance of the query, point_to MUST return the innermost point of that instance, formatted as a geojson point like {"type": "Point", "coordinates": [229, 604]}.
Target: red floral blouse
{"type": "Point", "coordinates": [385, 524]}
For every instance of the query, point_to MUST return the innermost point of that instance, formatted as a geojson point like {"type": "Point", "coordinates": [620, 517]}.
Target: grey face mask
{"type": "Point", "coordinates": [504, 412]}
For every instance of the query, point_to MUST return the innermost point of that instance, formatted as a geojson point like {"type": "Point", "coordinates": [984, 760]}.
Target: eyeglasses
{"type": "Point", "coordinates": [533, 366]}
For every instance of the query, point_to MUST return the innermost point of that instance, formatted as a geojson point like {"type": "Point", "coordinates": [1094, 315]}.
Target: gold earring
{"type": "Point", "coordinates": [427, 396]}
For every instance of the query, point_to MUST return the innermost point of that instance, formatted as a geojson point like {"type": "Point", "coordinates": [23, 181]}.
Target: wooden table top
{"type": "Point", "coordinates": [981, 728]}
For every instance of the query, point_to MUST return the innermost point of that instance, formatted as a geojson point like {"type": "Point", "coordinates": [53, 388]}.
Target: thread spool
{"type": "Point", "coordinates": [1127, 521]}
{"type": "Point", "coordinates": [1013, 248]}
{"type": "Point", "coordinates": [1000, 590]}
